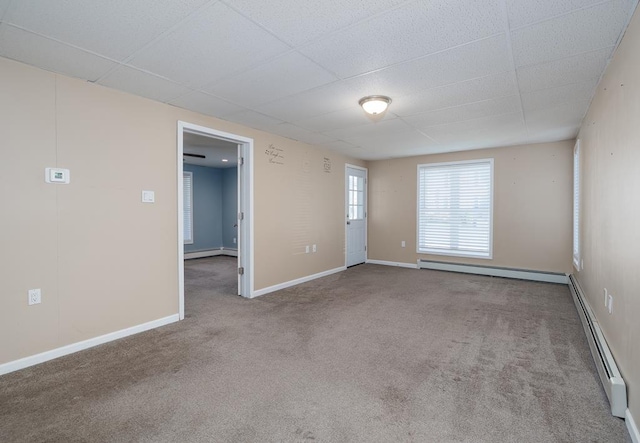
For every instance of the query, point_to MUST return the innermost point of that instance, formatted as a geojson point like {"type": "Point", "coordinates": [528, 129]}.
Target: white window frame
{"type": "Point", "coordinates": [576, 206]}
{"type": "Point", "coordinates": [188, 176]}
{"type": "Point", "coordinates": [452, 252]}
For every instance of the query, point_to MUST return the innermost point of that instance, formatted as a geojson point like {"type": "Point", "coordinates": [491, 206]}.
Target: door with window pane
{"type": "Point", "coordinates": [356, 188]}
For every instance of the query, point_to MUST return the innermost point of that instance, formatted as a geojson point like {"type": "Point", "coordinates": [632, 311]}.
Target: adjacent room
{"type": "Point", "coordinates": [399, 220]}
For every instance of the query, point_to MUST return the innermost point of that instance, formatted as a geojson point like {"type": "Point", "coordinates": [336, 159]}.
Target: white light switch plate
{"type": "Point", "coordinates": [57, 175]}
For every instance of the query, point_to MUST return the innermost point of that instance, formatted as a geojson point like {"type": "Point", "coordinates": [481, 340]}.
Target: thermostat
{"type": "Point", "coordinates": [56, 175]}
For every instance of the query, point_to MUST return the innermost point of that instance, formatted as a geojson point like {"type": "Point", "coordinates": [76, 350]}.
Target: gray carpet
{"type": "Point", "coordinates": [372, 354]}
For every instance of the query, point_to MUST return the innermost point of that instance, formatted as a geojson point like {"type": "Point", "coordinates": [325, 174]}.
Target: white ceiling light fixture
{"type": "Point", "coordinates": [375, 104]}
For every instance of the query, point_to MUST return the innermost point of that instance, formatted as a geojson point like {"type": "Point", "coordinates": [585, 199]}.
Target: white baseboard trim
{"type": "Point", "coordinates": [393, 263]}
{"type": "Point", "coordinates": [32, 360]}
{"type": "Point", "coordinates": [631, 426]}
{"type": "Point", "coordinates": [297, 281]}
{"type": "Point", "coordinates": [211, 253]}
{"type": "Point", "coordinates": [522, 274]}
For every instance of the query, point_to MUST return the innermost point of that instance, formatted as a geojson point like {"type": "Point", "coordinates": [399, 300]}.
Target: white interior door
{"type": "Point", "coordinates": [356, 202]}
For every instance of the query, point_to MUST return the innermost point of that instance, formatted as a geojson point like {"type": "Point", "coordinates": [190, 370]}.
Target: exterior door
{"type": "Point", "coordinates": [356, 202]}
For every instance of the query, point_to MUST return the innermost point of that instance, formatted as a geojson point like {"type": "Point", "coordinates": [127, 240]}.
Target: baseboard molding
{"type": "Point", "coordinates": [631, 426]}
{"type": "Point", "coordinates": [211, 253]}
{"type": "Point", "coordinates": [25, 362]}
{"type": "Point", "coordinates": [393, 263]}
{"type": "Point", "coordinates": [521, 274]}
{"type": "Point", "coordinates": [297, 281]}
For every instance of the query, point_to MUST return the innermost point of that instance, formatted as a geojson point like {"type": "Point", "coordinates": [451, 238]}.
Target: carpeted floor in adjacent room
{"type": "Point", "coordinates": [372, 354]}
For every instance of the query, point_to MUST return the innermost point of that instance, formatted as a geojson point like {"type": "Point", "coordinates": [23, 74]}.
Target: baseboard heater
{"type": "Point", "coordinates": [610, 376]}
{"type": "Point", "coordinates": [522, 274]}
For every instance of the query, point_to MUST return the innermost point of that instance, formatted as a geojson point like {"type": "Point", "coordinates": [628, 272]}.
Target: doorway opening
{"type": "Point", "coordinates": [215, 177]}
{"type": "Point", "coordinates": [356, 210]}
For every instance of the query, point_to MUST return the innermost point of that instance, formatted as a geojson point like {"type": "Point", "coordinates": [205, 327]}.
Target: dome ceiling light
{"type": "Point", "coordinates": [375, 104]}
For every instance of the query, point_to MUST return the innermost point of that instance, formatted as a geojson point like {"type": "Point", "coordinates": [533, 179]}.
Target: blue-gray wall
{"type": "Point", "coordinates": [229, 207]}
{"type": "Point", "coordinates": [214, 208]}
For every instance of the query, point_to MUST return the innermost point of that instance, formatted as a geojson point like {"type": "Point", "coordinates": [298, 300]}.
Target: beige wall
{"type": "Point", "coordinates": [532, 207]}
{"type": "Point", "coordinates": [104, 260]}
{"type": "Point", "coordinates": [610, 228]}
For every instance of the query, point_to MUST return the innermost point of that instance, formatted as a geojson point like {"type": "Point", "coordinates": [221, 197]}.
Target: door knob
{"type": "Point", "coordinates": [348, 222]}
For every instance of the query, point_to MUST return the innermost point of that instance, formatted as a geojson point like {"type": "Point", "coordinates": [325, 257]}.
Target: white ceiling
{"type": "Point", "coordinates": [462, 74]}
{"type": "Point", "coordinates": [218, 153]}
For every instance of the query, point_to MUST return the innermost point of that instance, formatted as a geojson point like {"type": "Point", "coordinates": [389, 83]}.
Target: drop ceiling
{"type": "Point", "coordinates": [462, 74]}
{"type": "Point", "coordinates": [217, 153]}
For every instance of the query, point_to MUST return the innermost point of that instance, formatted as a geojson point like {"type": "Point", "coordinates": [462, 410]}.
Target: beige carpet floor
{"type": "Point", "coordinates": [372, 354]}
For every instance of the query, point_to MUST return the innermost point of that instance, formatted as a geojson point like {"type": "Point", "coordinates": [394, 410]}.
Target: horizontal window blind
{"type": "Point", "coordinates": [455, 208]}
{"type": "Point", "coordinates": [187, 206]}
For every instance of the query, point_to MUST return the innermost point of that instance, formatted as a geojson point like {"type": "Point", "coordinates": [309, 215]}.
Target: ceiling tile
{"type": "Point", "coordinates": [470, 111]}
{"type": "Point", "coordinates": [554, 123]}
{"type": "Point", "coordinates": [469, 91]}
{"type": "Point", "coordinates": [488, 131]}
{"type": "Point", "coordinates": [48, 54]}
{"type": "Point", "coordinates": [376, 146]}
{"type": "Point", "coordinates": [253, 119]}
{"type": "Point", "coordinates": [288, 74]}
{"type": "Point", "coordinates": [206, 104]}
{"type": "Point", "coordinates": [416, 29]}
{"type": "Point", "coordinates": [329, 98]}
{"type": "Point", "coordinates": [184, 57]}
{"type": "Point", "coordinates": [298, 22]}
{"type": "Point", "coordinates": [335, 120]}
{"type": "Point", "coordinates": [579, 68]}
{"type": "Point", "coordinates": [581, 31]}
{"type": "Point", "coordinates": [115, 28]}
{"type": "Point", "coordinates": [141, 83]}
{"type": "Point", "coordinates": [545, 98]}
{"type": "Point", "coordinates": [386, 126]}
{"type": "Point", "coordinates": [478, 59]}
{"type": "Point", "coordinates": [526, 12]}
{"type": "Point", "coordinates": [296, 133]}
{"type": "Point", "coordinates": [338, 145]}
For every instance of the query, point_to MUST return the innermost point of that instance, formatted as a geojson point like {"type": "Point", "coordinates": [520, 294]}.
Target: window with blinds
{"type": "Point", "coordinates": [455, 208]}
{"type": "Point", "coordinates": [187, 206]}
{"type": "Point", "coordinates": [576, 205]}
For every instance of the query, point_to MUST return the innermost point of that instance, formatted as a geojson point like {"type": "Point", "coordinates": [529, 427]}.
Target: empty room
{"type": "Point", "coordinates": [340, 221]}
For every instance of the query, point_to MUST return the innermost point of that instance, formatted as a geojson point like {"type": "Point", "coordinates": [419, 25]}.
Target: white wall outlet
{"type": "Point", "coordinates": [35, 296]}
{"type": "Point", "coordinates": [148, 196]}
{"type": "Point", "coordinates": [606, 297]}
{"type": "Point", "coordinates": [403, 244]}
{"type": "Point", "coordinates": [234, 240]}
{"type": "Point", "coordinates": [306, 249]}
{"type": "Point", "coordinates": [610, 304]}
{"type": "Point", "coordinates": [315, 249]}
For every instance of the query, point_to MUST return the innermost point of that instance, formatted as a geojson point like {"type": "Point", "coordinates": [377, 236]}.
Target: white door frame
{"type": "Point", "coordinates": [346, 209]}
{"type": "Point", "coordinates": [245, 193]}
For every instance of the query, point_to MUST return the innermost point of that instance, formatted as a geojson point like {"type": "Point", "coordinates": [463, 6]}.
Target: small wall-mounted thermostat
{"type": "Point", "coordinates": [56, 175]}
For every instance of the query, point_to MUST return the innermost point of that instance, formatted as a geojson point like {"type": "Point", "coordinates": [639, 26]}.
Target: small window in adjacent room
{"type": "Point", "coordinates": [576, 205]}
{"type": "Point", "coordinates": [187, 206]}
{"type": "Point", "coordinates": [455, 208]}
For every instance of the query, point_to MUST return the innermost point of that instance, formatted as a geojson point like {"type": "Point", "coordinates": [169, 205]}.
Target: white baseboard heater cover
{"type": "Point", "coordinates": [522, 274]}
{"type": "Point", "coordinates": [612, 381]}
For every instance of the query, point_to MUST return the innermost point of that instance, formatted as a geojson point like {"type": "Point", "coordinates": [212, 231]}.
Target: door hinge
{"type": "Point", "coordinates": [240, 215]}
{"type": "Point", "coordinates": [241, 161]}
{"type": "Point", "coordinates": [240, 271]}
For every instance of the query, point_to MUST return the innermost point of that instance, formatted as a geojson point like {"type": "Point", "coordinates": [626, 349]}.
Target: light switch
{"type": "Point", "coordinates": [148, 197]}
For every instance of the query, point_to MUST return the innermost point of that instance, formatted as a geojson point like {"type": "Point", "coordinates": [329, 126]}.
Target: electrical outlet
{"type": "Point", "coordinates": [403, 244]}
{"type": "Point", "coordinates": [35, 296]}
{"type": "Point", "coordinates": [606, 297]}
{"type": "Point", "coordinates": [610, 304]}
{"type": "Point", "coordinates": [234, 240]}
{"type": "Point", "coordinates": [315, 249]}
{"type": "Point", "coordinates": [306, 249]}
